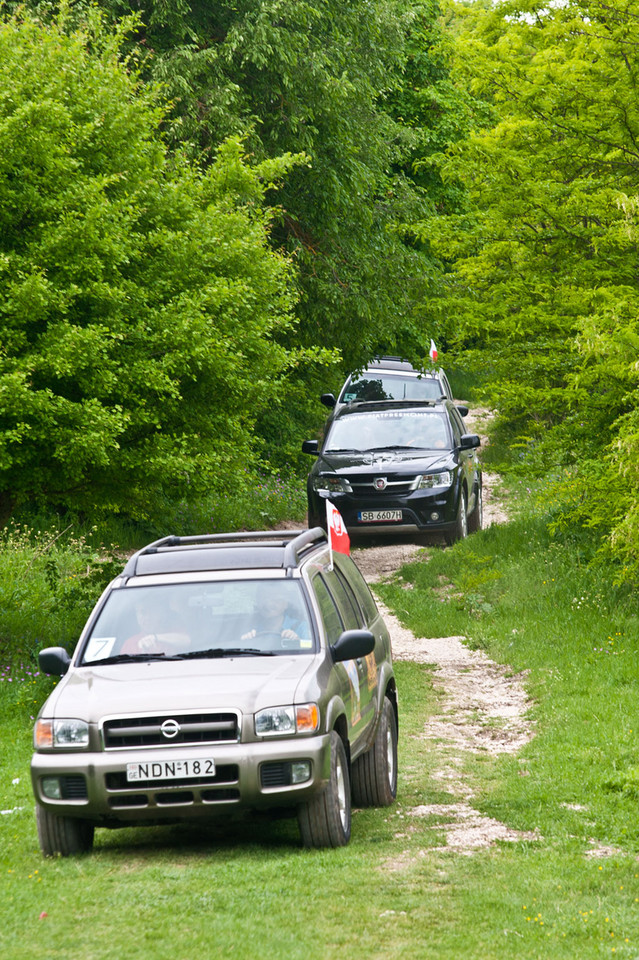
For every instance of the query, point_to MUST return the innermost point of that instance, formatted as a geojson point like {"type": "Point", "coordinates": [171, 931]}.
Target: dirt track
{"type": "Point", "coordinates": [482, 707]}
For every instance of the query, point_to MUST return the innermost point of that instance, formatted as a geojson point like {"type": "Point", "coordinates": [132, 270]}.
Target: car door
{"type": "Point", "coordinates": [467, 459]}
{"type": "Point", "coordinates": [354, 619]}
{"type": "Point", "coordinates": [337, 615]}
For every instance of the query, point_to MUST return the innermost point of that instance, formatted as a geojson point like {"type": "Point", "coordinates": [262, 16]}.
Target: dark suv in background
{"type": "Point", "coordinates": [396, 467]}
{"type": "Point", "coordinates": [390, 378]}
{"type": "Point", "coordinates": [220, 672]}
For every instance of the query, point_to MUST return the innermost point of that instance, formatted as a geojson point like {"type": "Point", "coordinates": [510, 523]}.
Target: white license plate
{"type": "Point", "coordinates": [379, 516]}
{"type": "Point", "coordinates": [169, 769]}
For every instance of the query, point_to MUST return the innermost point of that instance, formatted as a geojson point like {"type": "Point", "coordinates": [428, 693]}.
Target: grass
{"type": "Point", "coordinates": [245, 889]}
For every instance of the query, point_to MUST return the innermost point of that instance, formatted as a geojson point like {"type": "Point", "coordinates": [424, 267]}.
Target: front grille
{"type": "Point", "coordinates": [365, 486]}
{"type": "Point", "coordinates": [174, 798]}
{"type": "Point", "coordinates": [119, 732]}
{"type": "Point", "coordinates": [73, 787]}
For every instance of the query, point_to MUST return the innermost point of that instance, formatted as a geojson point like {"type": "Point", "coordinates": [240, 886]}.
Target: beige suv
{"type": "Point", "coordinates": [217, 672]}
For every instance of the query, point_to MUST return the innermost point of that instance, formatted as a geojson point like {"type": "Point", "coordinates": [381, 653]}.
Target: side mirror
{"type": "Point", "coordinates": [352, 645]}
{"type": "Point", "coordinates": [469, 441]}
{"type": "Point", "coordinates": [310, 446]}
{"type": "Point", "coordinates": [328, 399]}
{"type": "Point", "coordinates": [461, 409]}
{"type": "Point", "coordinates": [54, 660]}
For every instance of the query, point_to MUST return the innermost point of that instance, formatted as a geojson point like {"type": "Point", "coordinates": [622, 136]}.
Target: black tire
{"type": "Point", "coordinates": [461, 524]}
{"type": "Point", "coordinates": [476, 518]}
{"type": "Point", "coordinates": [374, 774]}
{"type": "Point", "coordinates": [325, 821]}
{"type": "Point", "coordinates": [63, 835]}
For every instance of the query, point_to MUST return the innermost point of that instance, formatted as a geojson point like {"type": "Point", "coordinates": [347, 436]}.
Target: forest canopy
{"type": "Point", "coordinates": [139, 299]}
{"type": "Point", "coordinates": [210, 212]}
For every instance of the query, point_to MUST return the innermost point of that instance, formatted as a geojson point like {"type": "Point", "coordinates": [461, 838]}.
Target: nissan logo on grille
{"type": "Point", "coordinates": [170, 729]}
{"type": "Point", "coordinates": [380, 483]}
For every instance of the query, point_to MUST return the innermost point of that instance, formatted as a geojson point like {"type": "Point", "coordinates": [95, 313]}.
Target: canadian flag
{"type": "Point", "coordinates": [338, 538]}
{"type": "Point", "coordinates": [433, 350]}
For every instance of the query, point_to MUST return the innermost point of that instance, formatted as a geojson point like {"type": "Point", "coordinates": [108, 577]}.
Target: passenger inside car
{"type": "Point", "coordinates": [278, 616]}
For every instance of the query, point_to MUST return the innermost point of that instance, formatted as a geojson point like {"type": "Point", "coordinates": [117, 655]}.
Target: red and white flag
{"type": "Point", "coordinates": [433, 351]}
{"type": "Point", "coordinates": [338, 538]}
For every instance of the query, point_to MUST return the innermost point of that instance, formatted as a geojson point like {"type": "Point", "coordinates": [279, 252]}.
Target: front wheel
{"type": "Point", "coordinates": [325, 821]}
{"type": "Point", "coordinates": [63, 835]}
{"type": "Point", "coordinates": [476, 518]}
{"type": "Point", "coordinates": [461, 524]}
{"type": "Point", "coordinates": [375, 772]}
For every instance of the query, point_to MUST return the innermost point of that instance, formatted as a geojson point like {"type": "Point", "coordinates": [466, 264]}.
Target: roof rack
{"type": "Point", "coordinates": [292, 541]}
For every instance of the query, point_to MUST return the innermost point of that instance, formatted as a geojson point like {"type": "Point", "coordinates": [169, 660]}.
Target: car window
{"type": "Point", "coordinates": [329, 613]}
{"type": "Point", "coordinates": [350, 614]}
{"type": "Point", "coordinates": [457, 425]}
{"type": "Point", "coordinates": [360, 589]}
{"type": "Point", "coordinates": [184, 618]}
{"type": "Point", "coordinates": [379, 386]}
{"type": "Point", "coordinates": [347, 600]}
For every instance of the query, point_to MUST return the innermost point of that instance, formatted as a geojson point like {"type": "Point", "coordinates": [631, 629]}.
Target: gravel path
{"type": "Point", "coordinates": [482, 706]}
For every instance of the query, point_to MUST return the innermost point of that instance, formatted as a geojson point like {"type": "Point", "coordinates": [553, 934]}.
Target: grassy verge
{"type": "Point", "coordinates": [245, 889]}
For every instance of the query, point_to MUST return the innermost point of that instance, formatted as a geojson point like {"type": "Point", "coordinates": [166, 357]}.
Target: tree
{"type": "Point", "coordinates": [545, 254]}
{"type": "Point", "coordinates": [140, 303]}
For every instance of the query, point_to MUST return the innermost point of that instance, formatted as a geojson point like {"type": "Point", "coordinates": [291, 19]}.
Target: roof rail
{"type": "Point", "coordinates": [293, 542]}
{"type": "Point", "coordinates": [295, 546]}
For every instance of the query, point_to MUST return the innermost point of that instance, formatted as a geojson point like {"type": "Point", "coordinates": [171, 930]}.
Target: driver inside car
{"type": "Point", "coordinates": [276, 616]}
{"type": "Point", "coordinates": [157, 630]}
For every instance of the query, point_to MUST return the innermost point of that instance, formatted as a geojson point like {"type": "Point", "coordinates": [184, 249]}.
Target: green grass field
{"type": "Point", "coordinates": [246, 889]}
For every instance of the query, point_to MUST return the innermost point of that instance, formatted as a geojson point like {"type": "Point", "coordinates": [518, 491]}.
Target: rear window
{"type": "Point", "coordinates": [376, 386]}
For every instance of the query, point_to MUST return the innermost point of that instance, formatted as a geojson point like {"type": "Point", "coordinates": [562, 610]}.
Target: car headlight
{"type": "Point", "coordinates": [331, 485]}
{"type": "Point", "coordinates": [427, 480]}
{"type": "Point", "coordinates": [61, 733]}
{"type": "Point", "coordinates": [287, 721]}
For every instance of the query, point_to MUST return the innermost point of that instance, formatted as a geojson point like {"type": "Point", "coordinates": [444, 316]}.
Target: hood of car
{"type": "Point", "coordinates": [399, 461]}
{"type": "Point", "coordinates": [244, 683]}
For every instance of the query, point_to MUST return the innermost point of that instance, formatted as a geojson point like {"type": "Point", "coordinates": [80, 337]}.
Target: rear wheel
{"type": "Point", "coordinates": [461, 524]}
{"type": "Point", "coordinates": [325, 821]}
{"type": "Point", "coordinates": [63, 835]}
{"type": "Point", "coordinates": [374, 775]}
{"type": "Point", "coordinates": [476, 518]}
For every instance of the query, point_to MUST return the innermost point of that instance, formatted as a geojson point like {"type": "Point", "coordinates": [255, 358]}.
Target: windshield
{"type": "Point", "coordinates": [189, 620]}
{"type": "Point", "coordinates": [376, 386]}
{"type": "Point", "coordinates": [389, 430]}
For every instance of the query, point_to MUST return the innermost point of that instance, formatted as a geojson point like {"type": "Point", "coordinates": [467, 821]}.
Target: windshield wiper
{"type": "Point", "coordinates": [124, 657]}
{"type": "Point", "coordinates": [218, 652]}
{"type": "Point", "coordinates": [391, 446]}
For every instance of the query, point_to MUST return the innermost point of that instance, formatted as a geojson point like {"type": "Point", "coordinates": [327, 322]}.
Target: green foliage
{"type": "Point", "coordinates": [140, 305]}
{"type": "Point", "coordinates": [49, 582]}
{"type": "Point", "coordinates": [362, 89]}
{"type": "Point", "coordinates": [543, 290]}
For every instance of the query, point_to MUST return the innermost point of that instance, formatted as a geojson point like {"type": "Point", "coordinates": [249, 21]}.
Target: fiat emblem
{"type": "Point", "coordinates": [170, 729]}
{"type": "Point", "coordinates": [380, 483]}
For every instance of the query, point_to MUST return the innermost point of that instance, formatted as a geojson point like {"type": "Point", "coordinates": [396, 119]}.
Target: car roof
{"type": "Point", "coordinates": [391, 363]}
{"type": "Point", "coordinates": [267, 549]}
{"type": "Point", "coordinates": [399, 366]}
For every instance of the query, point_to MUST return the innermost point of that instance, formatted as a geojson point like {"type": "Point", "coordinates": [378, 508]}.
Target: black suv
{"type": "Point", "coordinates": [234, 670]}
{"type": "Point", "coordinates": [398, 468]}
{"type": "Point", "coordinates": [390, 378]}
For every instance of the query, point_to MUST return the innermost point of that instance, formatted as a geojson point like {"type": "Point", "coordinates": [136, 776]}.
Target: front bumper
{"type": "Point", "coordinates": [417, 510]}
{"type": "Point", "coordinates": [250, 775]}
